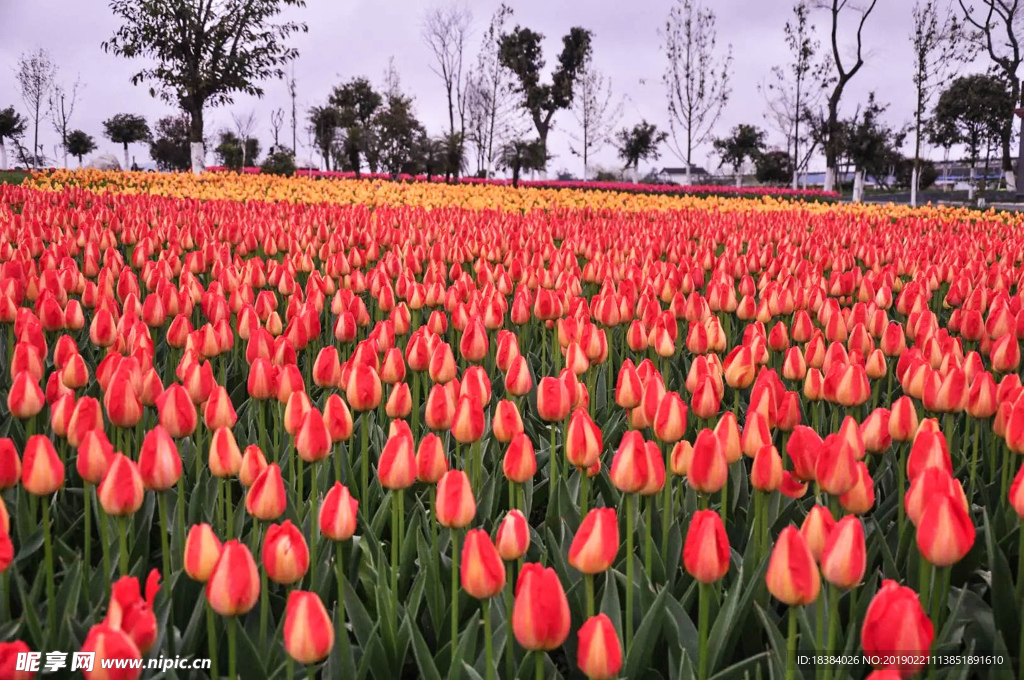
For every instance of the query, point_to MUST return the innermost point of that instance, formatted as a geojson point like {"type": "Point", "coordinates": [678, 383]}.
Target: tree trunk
{"type": "Point", "coordinates": [913, 185]}
{"type": "Point", "coordinates": [970, 183]}
{"type": "Point", "coordinates": [830, 179]}
{"type": "Point", "coordinates": [3, 155]}
{"type": "Point", "coordinates": [739, 178]}
{"type": "Point", "coordinates": [126, 166]}
{"type": "Point", "coordinates": [858, 186]}
{"type": "Point", "coordinates": [196, 140]}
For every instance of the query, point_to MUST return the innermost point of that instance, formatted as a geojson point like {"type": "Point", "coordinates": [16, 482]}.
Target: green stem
{"type": "Point", "coordinates": [264, 606]}
{"type": "Point", "coordinates": [791, 645]}
{"type": "Point", "coordinates": [584, 493]}
{"type": "Point", "coordinates": [539, 656]}
{"type": "Point", "coordinates": [901, 476]}
{"type": "Point", "coordinates": [339, 569]}
{"type": "Point", "coordinates": [105, 538]}
{"type": "Point", "coordinates": [589, 581]}
{"type": "Point", "coordinates": [394, 552]}
{"type": "Point", "coordinates": [648, 520]}
{"type": "Point", "coordinates": [122, 539]}
{"type": "Point", "coordinates": [51, 599]}
{"type": "Point", "coordinates": [630, 511]}
{"type": "Point", "coordinates": [161, 499]}
{"type": "Point", "coordinates": [725, 498]}
{"type": "Point", "coordinates": [211, 640]}
{"type": "Point", "coordinates": [974, 457]}
{"type": "Point", "coordinates": [87, 498]}
{"type": "Point", "coordinates": [666, 517]}
{"type": "Point", "coordinates": [232, 624]}
{"type": "Point", "coordinates": [364, 445]}
{"type": "Point", "coordinates": [704, 606]}
{"type": "Point", "coordinates": [314, 524]}
{"type": "Point", "coordinates": [509, 660]}
{"type": "Point", "coordinates": [455, 590]}
{"type": "Point", "coordinates": [181, 522]}
{"type": "Point", "coordinates": [832, 594]}
{"type": "Point", "coordinates": [488, 644]}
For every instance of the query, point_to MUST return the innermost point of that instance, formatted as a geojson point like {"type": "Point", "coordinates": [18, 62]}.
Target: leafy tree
{"type": "Point", "coordinates": [397, 132]}
{"type": "Point", "coordinates": [79, 144]}
{"type": "Point", "coordinates": [972, 111]}
{"type": "Point", "coordinates": [12, 127]}
{"type": "Point", "coordinates": [357, 103]}
{"type": "Point", "coordinates": [125, 129]}
{"type": "Point", "coordinates": [521, 54]}
{"type": "Point", "coordinates": [745, 141]}
{"type": "Point", "coordinates": [871, 145]}
{"type": "Point", "coordinates": [774, 167]}
{"type": "Point", "coordinates": [324, 122]}
{"type": "Point", "coordinates": [169, 146]}
{"type": "Point", "coordinates": [280, 161]}
{"type": "Point", "coordinates": [229, 151]}
{"type": "Point", "coordinates": [926, 173]}
{"type": "Point", "coordinates": [521, 155]}
{"type": "Point", "coordinates": [639, 144]}
{"type": "Point", "coordinates": [696, 78]}
{"type": "Point", "coordinates": [201, 53]}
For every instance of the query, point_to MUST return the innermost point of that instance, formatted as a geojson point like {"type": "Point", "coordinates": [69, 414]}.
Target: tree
{"type": "Point", "coordinates": [170, 146]}
{"type": "Point", "coordinates": [937, 41]}
{"type": "Point", "coordinates": [202, 52]}
{"type": "Point", "coordinates": [35, 75]}
{"type": "Point", "coordinates": [493, 114]}
{"type": "Point", "coordinates": [972, 111]}
{"type": "Point", "coordinates": [245, 126]}
{"type": "Point", "coordinates": [872, 146]}
{"type": "Point", "coordinates": [595, 113]}
{"type": "Point", "coordinates": [125, 129]}
{"type": "Point", "coordinates": [79, 144]}
{"type": "Point", "coordinates": [280, 161]}
{"type": "Point", "coordinates": [521, 54]}
{"type": "Point", "coordinates": [639, 144]}
{"type": "Point", "coordinates": [62, 107]}
{"type": "Point", "coordinates": [843, 75]}
{"type": "Point", "coordinates": [276, 123]}
{"type": "Point", "coordinates": [357, 103]}
{"type": "Point", "coordinates": [796, 88]}
{"type": "Point", "coordinates": [744, 142]}
{"type": "Point", "coordinates": [926, 173]}
{"type": "Point", "coordinates": [12, 127]}
{"type": "Point", "coordinates": [774, 167]}
{"type": "Point", "coordinates": [324, 121]}
{"type": "Point", "coordinates": [446, 30]}
{"type": "Point", "coordinates": [521, 155]}
{"type": "Point", "coordinates": [996, 24]}
{"type": "Point", "coordinates": [696, 78]}
{"type": "Point", "coordinates": [397, 133]}
{"type": "Point", "coordinates": [229, 151]}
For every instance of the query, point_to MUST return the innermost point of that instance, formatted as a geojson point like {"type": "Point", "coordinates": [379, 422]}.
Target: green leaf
{"type": "Point", "coordinates": [424, 657]}
{"type": "Point", "coordinates": [249, 655]}
{"type": "Point", "coordinates": [776, 639]}
{"type": "Point", "coordinates": [638, 657]}
{"type": "Point", "coordinates": [1004, 609]}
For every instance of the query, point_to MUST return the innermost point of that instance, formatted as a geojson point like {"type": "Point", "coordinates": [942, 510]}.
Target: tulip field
{"type": "Point", "coordinates": [343, 428]}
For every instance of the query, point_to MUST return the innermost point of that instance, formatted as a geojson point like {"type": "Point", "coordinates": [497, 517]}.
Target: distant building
{"type": "Point", "coordinates": [698, 175]}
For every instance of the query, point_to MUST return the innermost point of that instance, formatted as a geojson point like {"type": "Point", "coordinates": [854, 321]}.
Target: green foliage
{"type": "Point", "coordinates": [79, 143]}
{"type": "Point", "coordinates": [357, 104]}
{"type": "Point", "coordinates": [640, 143]}
{"type": "Point", "coordinates": [280, 161]}
{"type": "Point", "coordinates": [744, 141]}
{"type": "Point", "coordinates": [126, 128]}
{"type": "Point", "coordinates": [774, 167]}
{"type": "Point", "coordinates": [904, 173]}
{"type": "Point", "coordinates": [972, 111]}
{"type": "Point", "coordinates": [523, 155]}
{"type": "Point", "coordinates": [12, 124]}
{"type": "Point", "coordinates": [170, 144]}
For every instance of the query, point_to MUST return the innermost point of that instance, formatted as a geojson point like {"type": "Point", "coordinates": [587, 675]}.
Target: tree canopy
{"type": "Point", "coordinates": [744, 142]}
{"type": "Point", "coordinates": [639, 143]}
{"type": "Point", "coordinates": [80, 143]}
{"type": "Point", "coordinates": [972, 111]}
{"type": "Point", "coordinates": [170, 144]}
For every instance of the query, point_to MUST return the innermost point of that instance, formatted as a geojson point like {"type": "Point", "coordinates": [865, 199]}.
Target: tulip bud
{"type": "Point", "coordinates": [338, 419]}
{"type": "Point", "coordinates": [397, 465]}
{"type": "Point", "coordinates": [467, 421]}
{"type": "Point", "coordinates": [25, 398]}
{"type": "Point", "coordinates": [706, 551]}
{"type": "Point", "coordinates": [159, 461]}
{"type": "Point", "coordinates": [363, 390]}
{"type": "Point", "coordinates": [507, 421]}
{"type": "Point", "coordinates": [834, 469]}
{"type": "Point", "coordinates": [266, 498]}
{"type": "Point", "coordinates": [896, 631]}
{"type": "Point", "coordinates": [121, 491]}
{"type": "Point", "coordinates": [540, 615]}
{"type": "Point", "coordinates": [518, 381]}
{"type": "Point", "coordinates": [109, 644]}
{"type": "Point", "coordinates": [599, 654]}
{"type": "Point", "coordinates": [513, 537]}
{"type": "Point", "coordinates": [218, 411]}
{"type": "Point", "coordinates": [629, 472]}
{"type": "Point", "coordinates": [431, 462]}
{"type": "Point", "coordinates": [708, 468]}
{"type": "Point", "coordinates": [177, 412]}
{"type": "Point", "coordinates": [766, 471]}
{"type": "Point", "coordinates": [42, 471]}
{"type": "Point", "coordinates": [234, 585]}
{"type": "Point", "coordinates": [945, 532]}
{"type": "Point", "coordinates": [10, 464]}
{"type": "Point", "coordinates": [844, 558]}
{"type": "Point", "coordinates": [482, 573]}
{"type": "Point", "coordinates": [553, 400]}
{"type": "Point", "coordinates": [861, 497]}
{"type": "Point", "coordinates": [202, 549]}
{"type": "Point", "coordinates": [253, 463]}
{"type": "Point", "coordinates": [95, 453]}
{"type": "Point", "coordinates": [903, 420]}
{"type": "Point", "coordinates": [10, 654]}
{"type": "Point", "coordinates": [225, 458]}
{"type": "Point", "coordinates": [285, 553]}
{"type": "Point", "coordinates": [308, 630]}
{"type": "Point", "coordinates": [520, 462]}
{"type": "Point", "coordinates": [596, 542]}
{"type": "Point", "coordinates": [816, 529]}
{"type": "Point", "coordinates": [455, 506]}
{"type": "Point", "coordinates": [670, 419]}
{"type": "Point", "coordinates": [339, 514]}
{"type": "Point", "coordinates": [583, 440]}
{"type": "Point", "coordinates": [792, 576]}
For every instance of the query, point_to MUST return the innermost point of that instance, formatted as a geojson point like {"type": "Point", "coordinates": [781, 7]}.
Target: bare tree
{"type": "Point", "coordinates": [292, 90]}
{"type": "Point", "coordinates": [937, 41]}
{"type": "Point", "coordinates": [62, 107]}
{"type": "Point", "coordinates": [842, 77]}
{"type": "Point", "coordinates": [595, 113]}
{"type": "Point", "coordinates": [996, 25]}
{"type": "Point", "coordinates": [493, 114]}
{"type": "Point", "coordinates": [446, 32]}
{"type": "Point", "coordinates": [35, 73]}
{"type": "Point", "coordinates": [244, 126]}
{"type": "Point", "coordinates": [696, 77]}
{"type": "Point", "coordinates": [796, 88]}
{"type": "Point", "coordinates": [276, 122]}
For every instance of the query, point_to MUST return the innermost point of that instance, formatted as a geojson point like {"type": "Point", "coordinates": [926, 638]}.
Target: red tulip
{"type": "Point", "coordinates": [266, 498]}
{"type": "Point", "coordinates": [706, 551]}
{"type": "Point", "coordinates": [339, 514]}
{"type": "Point", "coordinates": [455, 506]}
{"type": "Point", "coordinates": [896, 630]}
{"type": "Point", "coordinates": [481, 571]}
{"type": "Point", "coordinates": [108, 643]}
{"type": "Point", "coordinates": [202, 550]}
{"type": "Point", "coordinates": [844, 557]}
{"type": "Point", "coordinates": [599, 654]}
{"type": "Point", "coordinates": [308, 630]}
{"type": "Point", "coordinates": [513, 537]}
{"type": "Point", "coordinates": [596, 542]}
{"type": "Point", "coordinates": [792, 576]}
{"type": "Point", "coordinates": [540, 616]}
{"type": "Point", "coordinates": [42, 472]}
{"type": "Point", "coordinates": [234, 584]}
{"type": "Point", "coordinates": [285, 553]}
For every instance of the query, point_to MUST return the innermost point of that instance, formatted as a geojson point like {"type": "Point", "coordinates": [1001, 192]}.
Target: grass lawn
{"type": "Point", "coordinates": [12, 176]}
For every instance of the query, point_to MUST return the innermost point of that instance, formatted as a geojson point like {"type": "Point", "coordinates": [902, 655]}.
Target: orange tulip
{"type": "Point", "coordinates": [792, 576]}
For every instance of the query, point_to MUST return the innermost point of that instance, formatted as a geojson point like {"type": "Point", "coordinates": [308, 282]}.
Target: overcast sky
{"type": "Point", "coordinates": [349, 38]}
